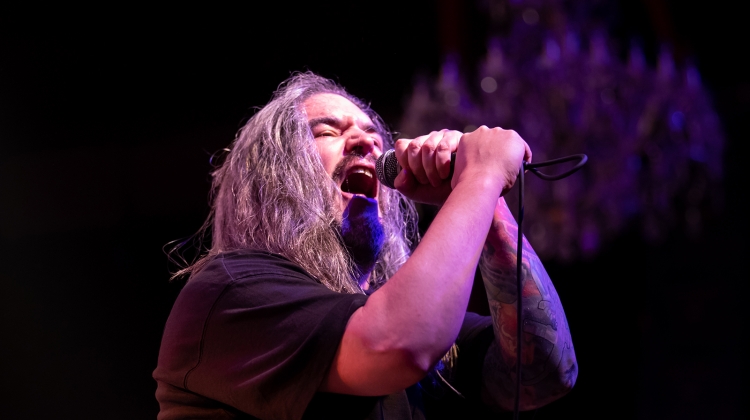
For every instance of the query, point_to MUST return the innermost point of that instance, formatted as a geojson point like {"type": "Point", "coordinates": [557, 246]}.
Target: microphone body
{"type": "Point", "coordinates": [387, 168]}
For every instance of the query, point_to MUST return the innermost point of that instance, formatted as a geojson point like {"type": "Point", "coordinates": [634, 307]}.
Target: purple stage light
{"type": "Point", "coordinates": [654, 140]}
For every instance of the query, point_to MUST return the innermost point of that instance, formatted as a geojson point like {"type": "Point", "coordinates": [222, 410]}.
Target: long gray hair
{"type": "Point", "coordinates": [272, 193]}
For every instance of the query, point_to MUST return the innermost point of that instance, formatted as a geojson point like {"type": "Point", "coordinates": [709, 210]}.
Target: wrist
{"type": "Point", "coordinates": [481, 181]}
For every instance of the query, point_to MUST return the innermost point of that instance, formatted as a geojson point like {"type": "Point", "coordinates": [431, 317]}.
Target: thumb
{"type": "Point", "coordinates": [405, 182]}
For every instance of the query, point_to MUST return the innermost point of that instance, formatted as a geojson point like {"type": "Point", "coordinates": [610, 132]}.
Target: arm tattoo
{"type": "Point", "coordinates": [548, 363]}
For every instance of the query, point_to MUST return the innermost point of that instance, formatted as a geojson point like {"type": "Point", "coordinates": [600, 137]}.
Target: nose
{"type": "Point", "coordinates": [360, 142]}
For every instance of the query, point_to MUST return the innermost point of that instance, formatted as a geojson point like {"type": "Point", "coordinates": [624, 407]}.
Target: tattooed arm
{"type": "Point", "coordinates": [548, 364]}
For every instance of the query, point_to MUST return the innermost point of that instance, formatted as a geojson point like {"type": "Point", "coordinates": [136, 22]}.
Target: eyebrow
{"type": "Point", "coordinates": [335, 122]}
{"type": "Point", "coordinates": [324, 120]}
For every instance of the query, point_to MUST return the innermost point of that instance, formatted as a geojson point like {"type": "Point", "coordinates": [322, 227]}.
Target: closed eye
{"type": "Point", "coordinates": [326, 133]}
{"type": "Point", "coordinates": [324, 126]}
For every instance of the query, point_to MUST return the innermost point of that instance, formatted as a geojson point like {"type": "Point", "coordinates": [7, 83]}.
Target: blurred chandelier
{"type": "Point", "coordinates": [653, 139]}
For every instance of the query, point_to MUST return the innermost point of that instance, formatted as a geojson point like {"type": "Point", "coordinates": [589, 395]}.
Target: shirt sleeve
{"type": "Point", "coordinates": [257, 334]}
{"type": "Point", "coordinates": [454, 392]}
{"type": "Point", "coordinates": [473, 340]}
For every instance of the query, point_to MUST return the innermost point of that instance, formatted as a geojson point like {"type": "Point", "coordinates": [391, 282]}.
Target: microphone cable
{"type": "Point", "coordinates": [387, 168]}
{"type": "Point", "coordinates": [582, 159]}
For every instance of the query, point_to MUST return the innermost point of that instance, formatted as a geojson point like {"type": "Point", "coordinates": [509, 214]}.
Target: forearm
{"type": "Point", "coordinates": [548, 365]}
{"type": "Point", "coordinates": [409, 323]}
{"type": "Point", "coordinates": [425, 302]}
{"type": "Point", "coordinates": [413, 319]}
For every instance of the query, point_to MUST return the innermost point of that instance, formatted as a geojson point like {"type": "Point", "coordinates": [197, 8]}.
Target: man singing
{"type": "Point", "coordinates": [314, 300]}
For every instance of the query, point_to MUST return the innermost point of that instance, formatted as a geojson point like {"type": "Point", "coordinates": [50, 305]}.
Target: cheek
{"type": "Point", "coordinates": [328, 162]}
{"type": "Point", "coordinates": [329, 156]}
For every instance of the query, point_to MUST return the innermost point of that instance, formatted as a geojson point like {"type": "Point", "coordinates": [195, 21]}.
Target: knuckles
{"type": "Point", "coordinates": [444, 141]}
{"type": "Point", "coordinates": [401, 144]}
{"type": "Point", "coordinates": [443, 147]}
{"type": "Point", "coordinates": [429, 146]}
{"type": "Point", "coordinates": [413, 147]}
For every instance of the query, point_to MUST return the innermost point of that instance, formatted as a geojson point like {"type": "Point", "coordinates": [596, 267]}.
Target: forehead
{"type": "Point", "coordinates": [332, 105]}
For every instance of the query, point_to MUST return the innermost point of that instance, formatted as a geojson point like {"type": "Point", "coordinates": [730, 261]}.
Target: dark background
{"type": "Point", "coordinates": [108, 117]}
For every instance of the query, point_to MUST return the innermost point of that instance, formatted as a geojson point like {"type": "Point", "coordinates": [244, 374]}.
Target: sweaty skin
{"type": "Point", "coordinates": [548, 365]}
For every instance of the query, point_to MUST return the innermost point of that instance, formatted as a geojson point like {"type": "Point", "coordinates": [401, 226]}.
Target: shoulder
{"type": "Point", "coordinates": [253, 330]}
{"type": "Point", "coordinates": [246, 262]}
{"type": "Point", "coordinates": [248, 278]}
{"type": "Point", "coordinates": [240, 266]}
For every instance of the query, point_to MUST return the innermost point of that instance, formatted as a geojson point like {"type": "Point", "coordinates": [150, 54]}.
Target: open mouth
{"type": "Point", "coordinates": [360, 180]}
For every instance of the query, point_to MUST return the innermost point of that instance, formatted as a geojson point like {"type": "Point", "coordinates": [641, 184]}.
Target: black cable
{"type": "Point", "coordinates": [533, 167]}
{"type": "Point", "coordinates": [519, 279]}
{"type": "Point", "coordinates": [582, 159]}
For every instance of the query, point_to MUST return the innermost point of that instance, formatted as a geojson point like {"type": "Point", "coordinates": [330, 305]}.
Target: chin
{"type": "Point", "coordinates": [362, 231]}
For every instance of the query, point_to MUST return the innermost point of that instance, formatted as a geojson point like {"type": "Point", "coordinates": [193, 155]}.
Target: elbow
{"type": "Point", "coordinates": [556, 386]}
{"type": "Point", "coordinates": [558, 383]}
{"type": "Point", "coordinates": [567, 371]}
{"type": "Point", "coordinates": [561, 380]}
{"type": "Point", "coordinates": [566, 377]}
{"type": "Point", "coordinates": [400, 369]}
{"type": "Point", "coordinates": [411, 352]}
{"type": "Point", "coordinates": [424, 361]}
{"type": "Point", "coordinates": [419, 361]}
{"type": "Point", "coordinates": [399, 365]}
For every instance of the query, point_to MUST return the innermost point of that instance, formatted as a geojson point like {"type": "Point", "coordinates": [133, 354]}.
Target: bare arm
{"type": "Point", "coordinates": [409, 323]}
{"type": "Point", "coordinates": [548, 365]}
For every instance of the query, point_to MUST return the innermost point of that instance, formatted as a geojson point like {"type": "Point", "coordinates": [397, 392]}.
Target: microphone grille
{"type": "Point", "coordinates": [387, 168]}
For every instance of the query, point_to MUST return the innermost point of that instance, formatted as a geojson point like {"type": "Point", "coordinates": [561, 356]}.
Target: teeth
{"type": "Point", "coordinates": [363, 171]}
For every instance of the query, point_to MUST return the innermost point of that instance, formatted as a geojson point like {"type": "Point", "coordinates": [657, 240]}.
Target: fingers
{"type": "Point", "coordinates": [428, 157]}
{"type": "Point", "coordinates": [527, 152]}
{"type": "Point", "coordinates": [421, 193]}
{"type": "Point", "coordinates": [436, 155]}
{"type": "Point", "coordinates": [445, 149]}
{"type": "Point", "coordinates": [400, 149]}
{"type": "Point", "coordinates": [414, 158]}
{"type": "Point", "coordinates": [426, 160]}
{"type": "Point", "coordinates": [404, 182]}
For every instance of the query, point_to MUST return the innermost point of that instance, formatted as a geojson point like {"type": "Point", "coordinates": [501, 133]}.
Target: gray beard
{"type": "Point", "coordinates": [362, 234]}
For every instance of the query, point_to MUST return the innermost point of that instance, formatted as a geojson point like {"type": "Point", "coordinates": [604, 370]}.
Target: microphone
{"type": "Point", "coordinates": [387, 168]}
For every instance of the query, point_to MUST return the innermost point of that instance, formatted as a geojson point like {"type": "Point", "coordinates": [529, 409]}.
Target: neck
{"type": "Point", "coordinates": [363, 281]}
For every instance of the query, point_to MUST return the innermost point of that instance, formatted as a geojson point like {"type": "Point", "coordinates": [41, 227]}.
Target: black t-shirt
{"type": "Point", "coordinates": [253, 336]}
